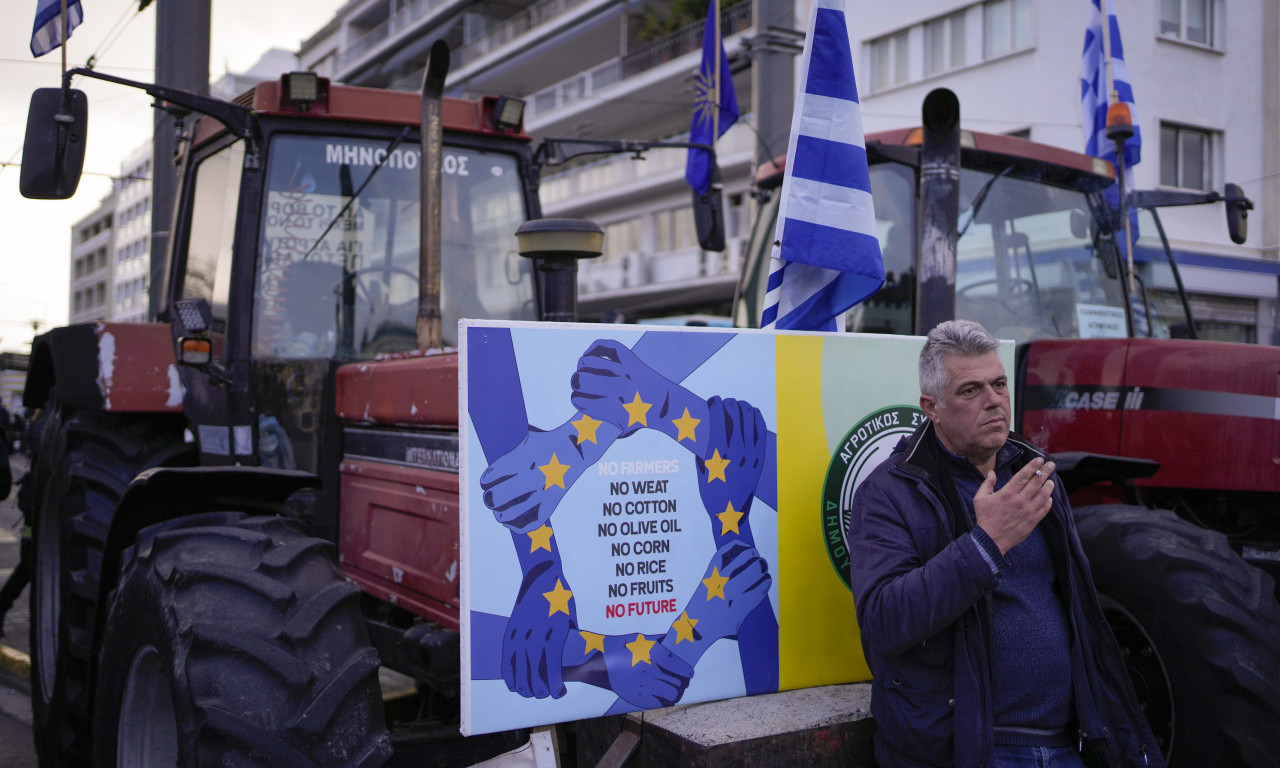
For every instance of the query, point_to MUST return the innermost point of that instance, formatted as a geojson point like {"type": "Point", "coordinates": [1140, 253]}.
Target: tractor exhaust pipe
{"type": "Point", "coordinates": [939, 210]}
{"type": "Point", "coordinates": [428, 326]}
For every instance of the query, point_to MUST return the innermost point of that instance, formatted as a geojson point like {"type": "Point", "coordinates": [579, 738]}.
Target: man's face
{"type": "Point", "coordinates": [972, 415]}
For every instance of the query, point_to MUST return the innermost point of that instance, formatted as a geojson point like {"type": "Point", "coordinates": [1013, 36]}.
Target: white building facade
{"type": "Point", "coordinates": [1206, 75]}
{"type": "Point", "coordinates": [91, 263]}
{"type": "Point", "coordinates": [132, 237]}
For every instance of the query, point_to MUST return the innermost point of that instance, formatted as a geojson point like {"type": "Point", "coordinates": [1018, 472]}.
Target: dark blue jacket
{"type": "Point", "coordinates": [922, 593]}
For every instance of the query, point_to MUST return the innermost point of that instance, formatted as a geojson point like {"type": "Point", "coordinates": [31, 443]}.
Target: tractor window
{"type": "Point", "coordinates": [213, 222]}
{"type": "Point", "coordinates": [891, 309]}
{"type": "Point", "coordinates": [338, 254]}
{"type": "Point", "coordinates": [1032, 263]}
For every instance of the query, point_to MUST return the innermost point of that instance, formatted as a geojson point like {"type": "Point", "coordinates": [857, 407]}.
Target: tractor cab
{"type": "Point", "coordinates": [1038, 251]}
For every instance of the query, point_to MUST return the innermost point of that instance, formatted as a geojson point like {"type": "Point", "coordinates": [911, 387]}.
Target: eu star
{"type": "Point", "coordinates": [716, 467]}
{"type": "Point", "coordinates": [684, 628]}
{"type": "Point", "coordinates": [593, 642]}
{"type": "Point", "coordinates": [715, 584]}
{"type": "Point", "coordinates": [637, 411]}
{"type": "Point", "coordinates": [685, 427]}
{"type": "Point", "coordinates": [640, 648]}
{"type": "Point", "coordinates": [558, 599]}
{"type": "Point", "coordinates": [586, 427]}
{"type": "Point", "coordinates": [540, 538]}
{"type": "Point", "coordinates": [729, 520]}
{"type": "Point", "coordinates": [554, 472]}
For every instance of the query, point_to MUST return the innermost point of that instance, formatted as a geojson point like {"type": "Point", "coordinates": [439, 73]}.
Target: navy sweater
{"type": "Point", "coordinates": [1030, 637]}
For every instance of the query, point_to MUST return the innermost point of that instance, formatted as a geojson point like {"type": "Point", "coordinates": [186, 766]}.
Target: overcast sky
{"type": "Point", "coordinates": [36, 252]}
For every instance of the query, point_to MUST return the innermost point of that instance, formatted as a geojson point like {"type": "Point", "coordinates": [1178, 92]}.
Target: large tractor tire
{"type": "Point", "coordinates": [82, 464]}
{"type": "Point", "coordinates": [235, 641]}
{"type": "Point", "coordinates": [1199, 629]}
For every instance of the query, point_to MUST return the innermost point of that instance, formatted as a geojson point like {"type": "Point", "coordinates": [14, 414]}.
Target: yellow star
{"type": "Point", "coordinates": [554, 472]}
{"type": "Point", "coordinates": [559, 599]}
{"type": "Point", "coordinates": [594, 642]}
{"type": "Point", "coordinates": [541, 539]}
{"type": "Point", "coordinates": [586, 429]}
{"type": "Point", "coordinates": [715, 584]}
{"type": "Point", "coordinates": [715, 467]}
{"type": "Point", "coordinates": [684, 627]}
{"type": "Point", "coordinates": [729, 520]}
{"type": "Point", "coordinates": [685, 427]}
{"type": "Point", "coordinates": [640, 648]}
{"type": "Point", "coordinates": [637, 411]}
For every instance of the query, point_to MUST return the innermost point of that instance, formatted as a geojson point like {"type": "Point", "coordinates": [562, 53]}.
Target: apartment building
{"type": "Point", "coordinates": [586, 69]}
{"type": "Point", "coordinates": [1206, 76]}
{"type": "Point", "coordinates": [130, 276]}
{"type": "Point", "coordinates": [1206, 80]}
{"type": "Point", "coordinates": [91, 263]}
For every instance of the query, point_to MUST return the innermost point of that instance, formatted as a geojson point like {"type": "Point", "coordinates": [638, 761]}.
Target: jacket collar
{"type": "Point", "coordinates": [919, 455]}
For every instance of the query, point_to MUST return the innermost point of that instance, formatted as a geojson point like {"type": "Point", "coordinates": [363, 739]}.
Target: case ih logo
{"type": "Point", "coordinates": [1099, 399]}
{"type": "Point", "coordinates": [864, 448]}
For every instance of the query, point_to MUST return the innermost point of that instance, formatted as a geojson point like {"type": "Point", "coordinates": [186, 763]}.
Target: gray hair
{"type": "Point", "coordinates": [953, 337]}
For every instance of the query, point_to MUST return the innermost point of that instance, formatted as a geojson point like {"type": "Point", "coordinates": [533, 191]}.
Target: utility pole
{"type": "Point", "coordinates": [182, 61]}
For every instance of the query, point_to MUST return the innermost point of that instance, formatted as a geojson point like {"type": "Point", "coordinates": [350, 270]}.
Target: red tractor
{"type": "Point", "coordinates": [1171, 445]}
{"type": "Point", "coordinates": [194, 476]}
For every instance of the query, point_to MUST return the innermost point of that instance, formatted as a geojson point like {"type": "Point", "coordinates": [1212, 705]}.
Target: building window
{"type": "Point", "coordinates": [1185, 157]}
{"type": "Point", "coordinates": [673, 229]}
{"type": "Point", "coordinates": [1006, 26]}
{"type": "Point", "coordinates": [620, 238]}
{"type": "Point", "coordinates": [944, 44]}
{"type": "Point", "coordinates": [1189, 20]}
{"type": "Point", "coordinates": [890, 61]}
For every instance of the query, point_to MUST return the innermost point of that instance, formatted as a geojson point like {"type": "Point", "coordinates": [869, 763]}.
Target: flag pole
{"type": "Point", "coordinates": [65, 21]}
{"type": "Point", "coordinates": [1118, 135]}
{"type": "Point", "coordinates": [715, 82]}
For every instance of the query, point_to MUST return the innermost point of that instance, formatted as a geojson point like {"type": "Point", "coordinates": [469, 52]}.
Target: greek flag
{"type": "Point", "coordinates": [47, 34]}
{"type": "Point", "coordinates": [826, 256]}
{"type": "Point", "coordinates": [697, 169]}
{"type": "Point", "coordinates": [1094, 93]}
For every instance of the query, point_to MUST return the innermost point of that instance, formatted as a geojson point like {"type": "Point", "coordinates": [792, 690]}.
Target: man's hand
{"type": "Point", "coordinates": [1010, 515]}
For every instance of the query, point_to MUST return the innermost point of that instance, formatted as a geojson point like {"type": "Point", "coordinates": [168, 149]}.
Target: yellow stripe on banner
{"type": "Point", "coordinates": [818, 640]}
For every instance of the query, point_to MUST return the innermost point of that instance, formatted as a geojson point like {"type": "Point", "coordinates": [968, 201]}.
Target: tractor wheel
{"type": "Point", "coordinates": [236, 641]}
{"type": "Point", "coordinates": [82, 465]}
{"type": "Point", "coordinates": [1199, 630]}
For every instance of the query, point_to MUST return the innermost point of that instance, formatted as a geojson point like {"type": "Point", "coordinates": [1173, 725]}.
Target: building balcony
{"type": "Point", "coordinates": [512, 28]}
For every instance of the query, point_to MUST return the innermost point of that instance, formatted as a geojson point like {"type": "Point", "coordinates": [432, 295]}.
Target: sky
{"type": "Point", "coordinates": [36, 234]}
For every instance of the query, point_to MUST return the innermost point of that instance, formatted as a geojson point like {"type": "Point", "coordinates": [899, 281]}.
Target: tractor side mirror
{"type": "Point", "coordinates": [1238, 207]}
{"type": "Point", "coordinates": [53, 153]}
{"type": "Point", "coordinates": [708, 214]}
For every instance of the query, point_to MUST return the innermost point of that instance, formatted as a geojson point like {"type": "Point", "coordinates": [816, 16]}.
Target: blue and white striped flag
{"type": "Point", "coordinates": [47, 33]}
{"type": "Point", "coordinates": [826, 256]}
{"type": "Point", "coordinates": [1094, 94]}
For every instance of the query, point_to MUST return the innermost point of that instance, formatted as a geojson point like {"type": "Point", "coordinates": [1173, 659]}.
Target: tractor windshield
{"type": "Point", "coordinates": [338, 250]}
{"type": "Point", "coordinates": [1030, 263]}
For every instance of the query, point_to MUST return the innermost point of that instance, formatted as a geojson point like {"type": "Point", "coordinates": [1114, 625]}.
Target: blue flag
{"type": "Point", "coordinates": [697, 169]}
{"type": "Point", "coordinates": [47, 33]}
{"type": "Point", "coordinates": [826, 256]}
{"type": "Point", "coordinates": [1094, 93]}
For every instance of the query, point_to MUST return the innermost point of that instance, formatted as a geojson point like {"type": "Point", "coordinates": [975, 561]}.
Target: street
{"type": "Point", "coordinates": [16, 747]}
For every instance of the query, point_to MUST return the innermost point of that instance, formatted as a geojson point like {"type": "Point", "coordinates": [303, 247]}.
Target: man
{"type": "Point", "coordinates": [977, 610]}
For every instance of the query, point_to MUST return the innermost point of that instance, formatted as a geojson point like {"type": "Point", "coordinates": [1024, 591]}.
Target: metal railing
{"type": "Point", "coordinates": [687, 39]}
{"type": "Point", "coordinates": [397, 22]}
{"type": "Point", "coordinates": [513, 27]}
{"type": "Point", "coordinates": [584, 85]}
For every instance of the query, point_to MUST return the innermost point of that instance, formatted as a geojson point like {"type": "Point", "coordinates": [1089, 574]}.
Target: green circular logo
{"type": "Point", "coordinates": [863, 448]}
